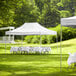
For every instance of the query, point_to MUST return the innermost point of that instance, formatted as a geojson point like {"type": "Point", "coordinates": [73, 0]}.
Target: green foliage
{"type": "Point", "coordinates": [44, 39]}
{"type": "Point", "coordinates": [40, 4]}
{"type": "Point", "coordinates": [36, 39]}
{"type": "Point", "coordinates": [18, 40]}
{"type": "Point", "coordinates": [67, 33]}
{"type": "Point", "coordinates": [50, 15]}
{"type": "Point", "coordinates": [26, 12]}
{"type": "Point", "coordinates": [69, 5]}
{"type": "Point", "coordinates": [46, 12]}
{"type": "Point", "coordinates": [6, 13]}
{"type": "Point", "coordinates": [28, 39]}
{"type": "Point", "coordinates": [64, 13]}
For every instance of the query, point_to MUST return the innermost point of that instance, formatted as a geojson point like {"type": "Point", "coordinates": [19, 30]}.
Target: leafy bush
{"type": "Point", "coordinates": [67, 33]}
{"type": "Point", "coordinates": [28, 39]}
{"type": "Point", "coordinates": [65, 13]}
{"type": "Point", "coordinates": [44, 39]}
{"type": "Point", "coordinates": [18, 40]}
{"type": "Point", "coordinates": [51, 39]}
{"type": "Point", "coordinates": [36, 39]}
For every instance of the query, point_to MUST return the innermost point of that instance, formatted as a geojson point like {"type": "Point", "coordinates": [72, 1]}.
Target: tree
{"type": "Point", "coordinates": [68, 5]}
{"type": "Point", "coordinates": [40, 4]}
{"type": "Point", "coordinates": [7, 8]}
{"type": "Point", "coordinates": [26, 12]}
{"type": "Point", "coordinates": [50, 15]}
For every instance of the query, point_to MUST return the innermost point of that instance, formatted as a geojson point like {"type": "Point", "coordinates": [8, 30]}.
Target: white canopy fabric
{"type": "Point", "coordinates": [69, 22]}
{"type": "Point", "coordinates": [31, 29]}
{"type": "Point", "coordinates": [72, 58]}
{"type": "Point", "coordinates": [5, 28]}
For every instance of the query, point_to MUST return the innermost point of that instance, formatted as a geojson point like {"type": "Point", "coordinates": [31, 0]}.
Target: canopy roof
{"type": "Point", "coordinates": [5, 28]}
{"type": "Point", "coordinates": [31, 29]}
{"type": "Point", "coordinates": [69, 22]}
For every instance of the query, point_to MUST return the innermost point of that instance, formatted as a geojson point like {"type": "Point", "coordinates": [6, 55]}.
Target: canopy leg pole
{"type": "Point", "coordinates": [5, 45]}
{"type": "Point", "coordinates": [61, 49]}
{"type": "Point", "coordinates": [13, 38]}
{"type": "Point", "coordinates": [9, 36]}
{"type": "Point", "coordinates": [40, 40]}
{"type": "Point", "coordinates": [49, 42]}
{"type": "Point", "coordinates": [57, 43]}
{"type": "Point", "coordinates": [22, 41]}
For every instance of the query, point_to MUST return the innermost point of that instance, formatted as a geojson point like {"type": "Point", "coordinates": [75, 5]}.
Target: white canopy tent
{"type": "Point", "coordinates": [32, 29]}
{"type": "Point", "coordinates": [67, 22]}
{"type": "Point", "coordinates": [9, 39]}
{"type": "Point", "coordinates": [5, 28]}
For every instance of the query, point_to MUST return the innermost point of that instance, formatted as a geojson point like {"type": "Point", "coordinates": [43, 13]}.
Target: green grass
{"type": "Point", "coordinates": [36, 64]}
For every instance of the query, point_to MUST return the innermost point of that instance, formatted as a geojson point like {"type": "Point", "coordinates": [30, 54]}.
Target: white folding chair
{"type": "Point", "coordinates": [36, 49]}
{"type": "Point", "coordinates": [14, 49]}
{"type": "Point", "coordinates": [46, 49]}
{"type": "Point", "coordinates": [25, 49]}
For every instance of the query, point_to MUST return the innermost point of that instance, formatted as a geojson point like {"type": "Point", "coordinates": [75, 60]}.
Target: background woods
{"type": "Point", "coordinates": [46, 12]}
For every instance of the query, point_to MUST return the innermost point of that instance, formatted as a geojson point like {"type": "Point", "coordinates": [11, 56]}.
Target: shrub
{"type": "Point", "coordinates": [64, 13]}
{"type": "Point", "coordinates": [28, 39]}
{"type": "Point", "coordinates": [44, 39]}
{"type": "Point", "coordinates": [36, 39]}
{"type": "Point", "coordinates": [18, 40]}
{"type": "Point", "coordinates": [67, 33]}
{"type": "Point", "coordinates": [51, 39]}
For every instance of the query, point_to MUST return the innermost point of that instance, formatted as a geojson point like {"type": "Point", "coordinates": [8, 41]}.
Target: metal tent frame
{"type": "Point", "coordinates": [41, 31]}
{"type": "Point", "coordinates": [67, 22]}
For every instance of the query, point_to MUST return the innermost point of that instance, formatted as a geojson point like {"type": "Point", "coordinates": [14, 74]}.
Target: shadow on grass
{"type": "Point", "coordinates": [63, 45]}
{"type": "Point", "coordinates": [32, 57]}
{"type": "Point", "coordinates": [35, 71]}
{"type": "Point", "coordinates": [8, 46]}
{"type": "Point", "coordinates": [49, 74]}
{"type": "Point", "coordinates": [34, 54]}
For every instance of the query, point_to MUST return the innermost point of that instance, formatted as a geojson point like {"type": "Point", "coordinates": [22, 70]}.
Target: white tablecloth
{"type": "Point", "coordinates": [71, 59]}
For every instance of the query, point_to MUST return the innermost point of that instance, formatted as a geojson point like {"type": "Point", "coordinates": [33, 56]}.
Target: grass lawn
{"type": "Point", "coordinates": [35, 64]}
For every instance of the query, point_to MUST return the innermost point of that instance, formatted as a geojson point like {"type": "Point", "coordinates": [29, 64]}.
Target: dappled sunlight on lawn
{"type": "Point", "coordinates": [36, 64]}
{"type": "Point", "coordinates": [30, 64]}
